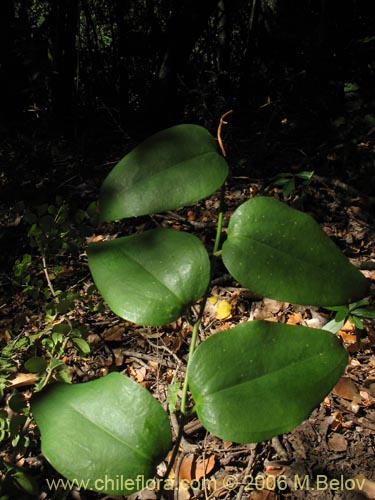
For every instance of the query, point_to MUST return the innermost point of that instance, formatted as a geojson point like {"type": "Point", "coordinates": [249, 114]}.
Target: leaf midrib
{"type": "Point", "coordinates": [108, 432]}
{"type": "Point", "coordinates": [130, 257]}
{"type": "Point", "coordinates": [303, 260]}
{"type": "Point", "coordinates": [284, 368]}
{"type": "Point", "coordinates": [137, 183]}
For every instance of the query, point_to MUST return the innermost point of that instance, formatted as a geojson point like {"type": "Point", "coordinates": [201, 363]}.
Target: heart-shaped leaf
{"type": "Point", "coordinates": [152, 277]}
{"type": "Point", "coordinates": [173, 168]}
{"type": "Point", "coordinates": [104, 434]}
{"type": "Point", "coordinates": [282, 253]}
{"type": "Point", "coordinates": [261, 379]}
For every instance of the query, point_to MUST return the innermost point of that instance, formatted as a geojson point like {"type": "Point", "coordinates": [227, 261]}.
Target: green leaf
{"type": "Point", "coordinates": [342, 313]}
{"type": "Point", "coordinates": [107, 429]}
{"type": "Point", "coordinates": [261, 379]}
{"type": "Point", "coordinates": [152, 277]}
{"type": "Point", "coordinates": [173, 168]}
{"type": "Point", "coordinates": [36, 364]}
{"type": "Point", "coordinates": [357, 322]}
{"type": "Point", "coordinates": [363, 312]}
{"type": "Point", "coordinates": [282, 253]}
{"type": "Point", "coordinates": [172, 395]}
{"type": "Point", "coordinates": [350, 87]}
{"type": "Point", "coordinates": [334, 326]}
{"type": "Point", "coordinates": [23, 482]}
{"type": "Point", "coordinates": [289, 187]}
{"type": "Point", "coordinates": [17, 403]}
{"type": "Point", "coordinates": [306, 175]}
{"type": "Point", "coordinates": [82, 345]}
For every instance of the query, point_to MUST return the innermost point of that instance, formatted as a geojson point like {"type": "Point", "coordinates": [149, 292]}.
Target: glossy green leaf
{"type": "Point", "coordinates": [152, 277]}
{"type": "Point", "coordinates": [173, 168]}
{"type": "Point", "coordinates": [261, 379]}
{"type": "Point", "coordinates": [106, 432]}
{"type": "Point", "coordinates": [284, 254]}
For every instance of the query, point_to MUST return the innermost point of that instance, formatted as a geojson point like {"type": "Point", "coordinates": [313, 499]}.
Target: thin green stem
{"type": "Point", "coordinates": [193, 342]}
{"type": "Point", "coordinates": [183, 412]}
{"type": "Point", "coordinates": [45, 270]}
{"type": "Point", "coordinates": [218, 233]}
{"type": "Point", "coordinates": [194, 337]}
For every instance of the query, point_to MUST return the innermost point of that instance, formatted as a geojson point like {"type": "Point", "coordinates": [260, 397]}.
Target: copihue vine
{"type": "Point", "coordinates": [271, 375]}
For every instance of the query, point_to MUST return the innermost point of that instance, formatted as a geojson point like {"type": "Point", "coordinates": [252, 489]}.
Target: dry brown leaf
{"type": "Point", "coordinates": [193, 468]}
{"type": "Point", "coordinates": [294, 319]}
{"type": "Point", "coordinates": [347, 337]}
{"type": "Point", "coordinates": [138, 374]}
{"type": "Point", "coordinates": [348, 327]}
{"type": "Point", "coordinates": [119, 356]}
{"type": "Point", "coordinates": [272, 470]}
{"type": "Point", "coordinates": [204, 467]}
{"type": "Point", "coordinates": [370, 333]}
{"type": "Point", "coordinates": [183, 491]}
{"type": "Point", "coordinates": [114, 333]}
{"type": "Point", "coordinates": [337, 442]}
{"type": "Point", "coordinates": [369, 384]}
{"type": "Point", "coordinates": [23, 379]}
{"type": "Point", "coordinates": [93, 338]}
{"type": "Point", "coordinates": [335, 421]}
{"type": "Point", "coordinates": [186, 468]}
{"type": "Point", "coordinates": [273, 306]}
{"type": "Point", "coordinates": [364, 486]}
{"type": "Point", "coordinates": [95, 239]}
{"type": "Point", "coordinates": [262, 495]}
{"type": "Point", "coordinates": [346, 388]}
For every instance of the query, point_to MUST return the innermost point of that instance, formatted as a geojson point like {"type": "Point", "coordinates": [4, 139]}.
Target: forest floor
{"type": "Point", "coordinates": [45, 215]}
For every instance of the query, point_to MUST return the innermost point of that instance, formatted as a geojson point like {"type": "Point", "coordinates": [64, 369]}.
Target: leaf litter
{"type": "Point", "coordinates": [335, 443]}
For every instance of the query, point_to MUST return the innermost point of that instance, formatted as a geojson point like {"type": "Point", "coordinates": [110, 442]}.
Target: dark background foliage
{"type": "Point", "coordinates": [90, 67]}
{"type": "Point", "coordinates": [83, 82]}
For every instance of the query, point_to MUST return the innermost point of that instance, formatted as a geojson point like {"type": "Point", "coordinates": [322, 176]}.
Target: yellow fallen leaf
{"type": "Point", "coordinates": [212, 300]}
{"type": "Point", "coordinates": [223, 310]}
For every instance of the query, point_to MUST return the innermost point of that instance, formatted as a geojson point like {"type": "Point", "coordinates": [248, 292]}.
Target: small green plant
{"type": "Point", "coordinates": [249, 383]}
{"type": "Point", "coordinates": [14, 428]}
{"type": "Point", "coordinates": [44, 353]}
{"type": "Point", "coordinates": [356, 313]}
{"type": "Point", "coordinates": [53, 231]}
{"type": "Point", "coordinates": [289, 182]}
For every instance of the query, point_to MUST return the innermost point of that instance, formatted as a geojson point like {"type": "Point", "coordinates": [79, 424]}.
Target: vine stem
{"type": "Point", "coordinates": [194, 336]}
{"type": "Point", "coordinates": [193, 344]}
{"type": "Point", "coordinates": [221, 123]}
{"type": "Point", "coordinates": [221, 210]}
{"type": "Point", "coordinates": [45, 270]}
{"type": "Point", "coordinates": [183, 411]}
